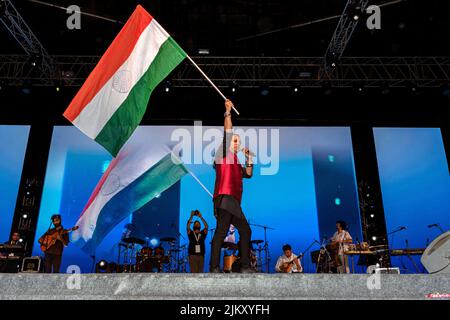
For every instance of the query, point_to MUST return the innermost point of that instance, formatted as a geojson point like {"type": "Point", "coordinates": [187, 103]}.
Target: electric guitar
{"type": "Point", "coordinates": [50, 239]}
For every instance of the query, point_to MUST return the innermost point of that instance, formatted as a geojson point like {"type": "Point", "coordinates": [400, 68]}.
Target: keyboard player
{"type": "Point", "coordinates": [11, 254]}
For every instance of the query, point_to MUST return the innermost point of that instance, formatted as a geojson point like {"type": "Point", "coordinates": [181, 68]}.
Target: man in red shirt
{"type": "Point", "coordinates": [228, 194]}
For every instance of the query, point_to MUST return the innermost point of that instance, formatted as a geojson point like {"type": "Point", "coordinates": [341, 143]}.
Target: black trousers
{"type": "Point", "coordinates": [224, 219]}
{"type": "Point", "coordinates": [52, 263]}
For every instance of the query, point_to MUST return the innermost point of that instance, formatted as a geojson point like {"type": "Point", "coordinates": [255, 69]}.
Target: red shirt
{"type": "Point", "coordinates": [229, 177]}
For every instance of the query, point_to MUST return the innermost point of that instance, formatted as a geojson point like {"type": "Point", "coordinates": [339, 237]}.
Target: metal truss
{"type": "Point", "coordinates": [253, 72]}
{"type": "Point", "coordinates": [37, 56]}
{"type": "Point", "coordinates": [343, 32]}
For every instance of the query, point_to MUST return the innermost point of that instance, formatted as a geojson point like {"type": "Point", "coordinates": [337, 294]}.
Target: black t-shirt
{"type": "Point", "coordinates": [201, 236]}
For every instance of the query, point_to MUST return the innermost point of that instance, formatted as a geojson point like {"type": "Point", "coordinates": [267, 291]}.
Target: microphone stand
{"type": "Point", "coordinates": [309, 247]}
{"type": "Point", "coordinates": [266, 245]}
{"type": "Point", "coordinates": [389, 266]}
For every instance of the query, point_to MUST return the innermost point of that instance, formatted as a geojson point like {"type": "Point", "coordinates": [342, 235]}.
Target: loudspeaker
{"type": "Point", "coordinates": [31, 264]}
{"type": "Point", "coordinates": [436, 257]}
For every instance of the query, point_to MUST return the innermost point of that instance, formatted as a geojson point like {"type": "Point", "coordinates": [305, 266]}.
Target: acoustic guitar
{"type": "Point", "coordinates": [50, 239]}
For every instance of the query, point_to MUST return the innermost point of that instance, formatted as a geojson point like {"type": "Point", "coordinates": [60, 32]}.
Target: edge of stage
{"type": "Point", "coordinates": [142, 286]}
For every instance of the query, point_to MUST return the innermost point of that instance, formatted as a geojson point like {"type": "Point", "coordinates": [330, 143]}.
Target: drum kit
{"type": "Point", "coordinates": [231, 259]}
{"type": "Point", "coordinates": [136, 255]}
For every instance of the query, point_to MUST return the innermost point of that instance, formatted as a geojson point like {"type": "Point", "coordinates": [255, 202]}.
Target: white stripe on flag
{"type": "Point", "coordinates": [99, 111]}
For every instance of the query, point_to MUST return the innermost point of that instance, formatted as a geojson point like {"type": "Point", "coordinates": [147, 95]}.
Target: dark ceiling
{"type": "Point", "coordinates": [413, 27]}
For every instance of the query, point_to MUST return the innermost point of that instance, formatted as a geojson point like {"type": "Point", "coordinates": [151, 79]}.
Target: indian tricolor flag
{"type": "Point", "coordinates": [140, 172]}
{"type": "Point", "coordinates": [113, 100]}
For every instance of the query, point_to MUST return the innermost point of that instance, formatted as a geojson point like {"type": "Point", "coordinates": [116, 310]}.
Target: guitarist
{"type": "Point", "coordinates": [288, 262]}
{"type": "Point", "coordinates": [53, 253]}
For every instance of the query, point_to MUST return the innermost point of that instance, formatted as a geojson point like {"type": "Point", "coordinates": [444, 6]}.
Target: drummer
{"type": "Point", "coordinates": [197, 237]}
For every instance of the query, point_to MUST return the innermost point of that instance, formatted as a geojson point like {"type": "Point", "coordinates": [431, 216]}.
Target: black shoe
{"type": "Point", "coordinates": [248, 270]}
{"type": "Point", "coordinates": [214, 270]}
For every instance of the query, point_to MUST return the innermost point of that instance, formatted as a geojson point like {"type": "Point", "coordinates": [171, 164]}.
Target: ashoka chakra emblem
{"type": "Point", "coordinates": [122, 81]}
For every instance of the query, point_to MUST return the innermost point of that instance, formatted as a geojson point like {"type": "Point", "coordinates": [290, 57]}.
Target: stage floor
{"type": "Point", "coordinates": [221, 286]}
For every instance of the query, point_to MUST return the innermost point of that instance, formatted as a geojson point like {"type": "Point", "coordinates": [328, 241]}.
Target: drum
{"type": "Point", "coordinates": [159, 252]}
{"type": "Point", "coordinates": [228, 262]}
{"type": "Point", "coordinates": [146, 252]}
{"type": "Point", "coordinates": [149, 265]}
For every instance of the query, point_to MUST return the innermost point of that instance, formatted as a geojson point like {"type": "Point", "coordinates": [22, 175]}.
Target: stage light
{"type": "Point", "coordinates": [374, 238]}
{"type": "Point", "coordinates": [101, 266]}
{"type": "Point", "coordinates": [337, 201]}
{"type": "Point", "coordinates": [331, 59]}
{"type": "Point", "coordinates": [24, 216]}
{"type": "Point", "coordinates": [331, 158]}
{"type": "Point", "coordinates": [372, 215]}
{"type": "Point", "coordinates": [154, 242]}
{"type": "Point", "coordinates": [167, 86]}
{"type": "Point", "coordinates": [264, 91]}
{"type": "Point", "coordinates": [203, 51]}
{"type": "Point", "coordinates": [21, 240]}
{"type": "Point", "coordinates": [234, 87]}
{"type": "Point", "coordinates": [57, 89]}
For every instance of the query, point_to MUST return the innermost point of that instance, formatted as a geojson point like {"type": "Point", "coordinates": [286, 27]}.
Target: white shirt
{"type": "Point", "coordinates": [341, 236]}
{"type": "Point", "coordinates": [283, 259]}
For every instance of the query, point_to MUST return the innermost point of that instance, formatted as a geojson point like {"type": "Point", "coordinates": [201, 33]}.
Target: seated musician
{"type": "Point", "coordinates": [288, 262]}
{"type": "Point", "coordinates": [342, 238]}
{"type": "Point", "coordinates": [15, 241]}
{"type": "Point", "coordinates": [53, 253]}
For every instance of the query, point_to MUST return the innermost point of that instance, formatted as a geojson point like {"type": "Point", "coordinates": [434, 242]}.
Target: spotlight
{"type": "Point", "coordinates": [234, 87]}
{"type": "Point", "coordinates": [355, 11]}
{"type": "Point", "coordinates": [372, 215]}
{"type": "Point", "coordinates": [167, 86]}
{"type": "Point", "coordinates": [25, 216]}
{"type": "Point", "coordinates": [57, 89]}
{"type": "Point", "coordinates": [154, 242]}
{"type": "Point", "coordinates": [21, 240]}
{"type": "Point", "coordinates": [331, 60]}
{"type": "Point", "coordinates": [374, 238]}
{"type": "Point", "coordinates": [101, 266]}
{"type": "Point", "coordinates": [203, 51]}
{"type": "Point", "coordinates": [264, 91]}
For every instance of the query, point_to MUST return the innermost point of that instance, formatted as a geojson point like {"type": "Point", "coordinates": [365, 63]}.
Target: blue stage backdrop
{"type": "Point", "coordinates": [285, 201]}
{"type": "Point", "coordinates": [415, 186]}
{"type": "Point", "coordinates": [11, 164]}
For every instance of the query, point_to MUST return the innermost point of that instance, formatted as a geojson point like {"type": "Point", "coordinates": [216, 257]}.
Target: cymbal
{"type": "Point", "coordinates": [230, 245]}
{"type": "Point", "coordinates": [167, 239]}
{"type": "Point", "coordinates": [133, 240]}
{"type": "Point", "coordinates": [257, 241]}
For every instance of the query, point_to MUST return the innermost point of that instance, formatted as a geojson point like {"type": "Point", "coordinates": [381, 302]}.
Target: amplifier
{"type": "Point", "coordinates": [31, 264]}
{"type": "Point", "coordinates": [388, 270]}
{"type": "Point", "coordinates": [375, 269]}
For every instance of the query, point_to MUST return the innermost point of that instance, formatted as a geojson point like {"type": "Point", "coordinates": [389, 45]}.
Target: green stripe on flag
{"type": "Point", "coordinates": [128, 116]}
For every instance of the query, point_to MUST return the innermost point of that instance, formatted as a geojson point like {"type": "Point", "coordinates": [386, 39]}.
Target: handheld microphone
{"type": "Point", "coordinates": [249, 152]}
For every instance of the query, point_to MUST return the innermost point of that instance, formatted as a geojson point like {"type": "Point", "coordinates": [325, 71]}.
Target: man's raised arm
{"type": "Point", "coordinates": [228, 125]}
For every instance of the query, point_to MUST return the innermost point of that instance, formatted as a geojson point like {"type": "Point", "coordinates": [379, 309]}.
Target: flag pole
{"type": "Point", "coordinates": [210, 82]}
{"type": "Point", "coordinates": [199, 182]}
